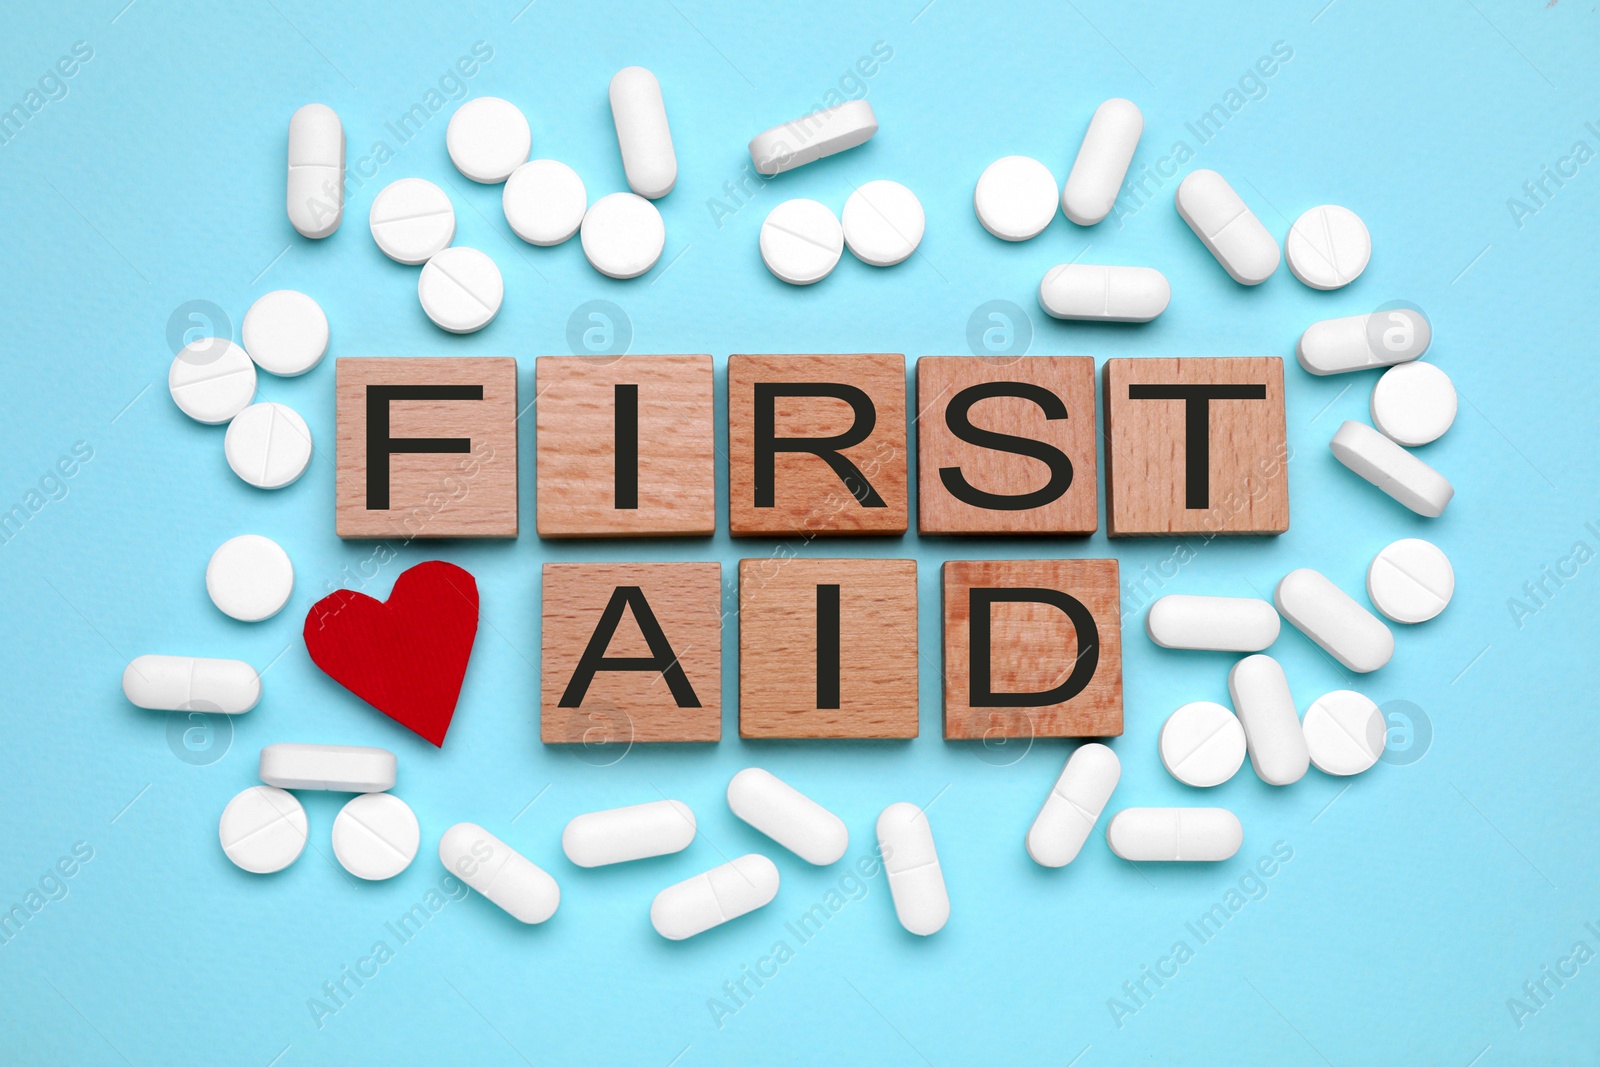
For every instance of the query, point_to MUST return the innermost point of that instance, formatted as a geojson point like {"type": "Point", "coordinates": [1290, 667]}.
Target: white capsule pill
{"type": "Point", "coordinates": [316, 170]}
{"type": "Point", "coordinates": [375, 836]}
{"type": "Point", "coordinates": [1411, 580]}
{"type": "Point", "coordinates": [1345, 732]}
{"type": "Point", "coordinates": [1357, 342]}
{"type": "Point", "coordinates": [1015, 198]}
{"type": "Point", "coordinates": [1191, 835]}
{"type": "Point", "coordinates": [488, 138]}
{"type": "Point", "coordinates": [811, 137]}
{"type": "Point", "coordinates": [1413, 404]}
{"type": "Point", "coordinates": [211, 380]}
{"type": "Point", "coordinates": [190, 683]}
{"type": "Point", "coordinates": [249, 577]}
{"type": "Point", "coordinates": [1104, 294]}
{"type": "Point", "coordinates": [263, 829]}
{"type": "Point", "coordinates": [268, 445]}
{"type": "Point", "coordinates": [544, 201]}
{"type": "Point", "coordinates": [1215, 623]}
{"type": "Point", "coordinates": [507, 878]}
{"type": "Point", "coordinates": [1331, 617]}
{"type": "Point", "coordinates": [412, 220]}
{"type": "Point", "coordinates": [696, 904]}
{"type": "Point", "coordinates": [640, 116]}
{"type": "Point", "coordinates": [1328, 247]}
{"type": "Point", "coordinates": [1074, 804]}
{"type": "Point", "coordinates": [1102, 162]}
{"type": "Point", "coordinates": [460, 290]}
{"type": "Point", "coordinates": [1392, 469]}
{"type": "Point", "coordinates": [916, 881]}
{"type": "Point", "coordinates": [883, 223]}
{"type": "Point", "coordinates": [285, 333]}
{"type": "Point", "coordinates": [1228, 228]}
{"type": "Point", "coordinates": [788, 816]}
{"type": "Point", "coordinates": [622, 235]}
{"type": "Point", "coordinates": [636, 832]}
{"type": "Point", "coordinates": [335, 768]}
{"type": "Point", "coordinates": [1272, 733]}
{"type": "Point", "coordinates": [801, 241]}
{"type": "Point", "coordinates": [1202, 744]}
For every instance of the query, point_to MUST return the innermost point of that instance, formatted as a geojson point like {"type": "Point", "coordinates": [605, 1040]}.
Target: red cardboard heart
{"type": "Point", "coordinates": [405, 656]}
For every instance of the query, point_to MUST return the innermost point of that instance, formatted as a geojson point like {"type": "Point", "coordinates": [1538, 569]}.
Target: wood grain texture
{"type": "Point", "coordinates": [809, 496]}
{"type": "Point", "coordinates": [1034, 647]}
{"type": "Point", "coordinates": [1148, 490]}
{"type": "Point", "coordinates": [1073, 507]}
{"type": "Point", "coordinates": [778, 648]}
{"type": "Point", "coordinates": [470, 493]}
{"type": "Point", "coordinates": [577, 431]}
{"type": "Point", "coordinates": [627, 706]}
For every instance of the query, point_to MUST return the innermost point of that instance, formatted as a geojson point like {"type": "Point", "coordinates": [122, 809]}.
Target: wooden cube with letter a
{"type": "Point", "coordinates": [631, 652]}
{"type": "Point", "coordinates": [426, 447]}
{"type": "Point", "coordinates": [1032, 648]}
{"type": "Point", "coordinates": [1195, 446]}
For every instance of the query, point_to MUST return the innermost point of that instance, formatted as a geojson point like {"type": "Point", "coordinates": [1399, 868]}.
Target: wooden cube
{"type": "Point", "coordinates": [1032, 648]}
{"type": "Point", "coordinates": [817, 445]}
{"type": "Point", "coordinates": [827, 648]}
{"type": "Point", "coordinates": [631, 652]}
{"type": "Point", "coordinates": [625, 446]}
{"type": "Point", "coordinates": [1006, 445]}
{"type": "Point", "coordinates": [426, 447]}
{"type": "Point", "coordinates": [1195, 446]}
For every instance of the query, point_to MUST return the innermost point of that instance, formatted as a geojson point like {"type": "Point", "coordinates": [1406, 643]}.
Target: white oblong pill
{"type": "Point", "coordinates": [636, 832]}
{"type": "Point", "coordinates": [316, 171]}
{"type": "Point", "coordinates": [1413, 404]}
{"type": "Point", "coordinates": [506, 878]}
{"type": "Point", "coordinates": [643, 136]}
{"type": "Point", "coordinates": [1015, 198]}
{"type": "Point", "coordinates": [811, 137]}
{"type": "Point", "coordinates": [1102, 163]}
{"type": "Point", "coordinates": [1391, 468]}
{"type": "Point", "coordinates": [1345, 732]}
{"type": "Point", "coordinates": [488, 138]}
{"type": "Point", "coordinates": [544, 201]}
{"type": "Point", "coordinates": [883, 223]}
{"type": "Point", "coordinates": [1104, 294]}
{"type": "Point", "coordinates": [212, 380]}
{"type": "Point", "coordinates": [1074, 804]}
{"type": "Point", "coordinates": [1191, 835]}
{"type": "Point", "coordinates": [460, 290]}
{"type": "Point", "coordinates": [1411, 580]}
{"type": "Point", "coordinates": [788, 816]}
{"type": "Point", "coordinates": [622, 235]}
{"type": "Point", "coordinates": [1331, 617]}
{"type": "Point", "coordinates": [249, 577]}
{"type": "Point", "coordinates": [696, 904]}
{"type": "Point", "coordinates": [916, 882]}
{"type": "Point", "coordinates": [285, 333]}
{"type": "Point", "coordinates": [1212, 623]}
{"type": "Point", "coordinates": [375, 836]}
{"type": "Point", "coordinates": [1202, 744]}
{"type": "Point", "coordinates": [1272, 733]}
{"type": "Point", "coordinates": [335, 768]}
{"type": "Point", "coordinates": [268, 445]}
{"type": "Point", "coordinates": [191, 683]}
{"type": "Point", "coordinates": [801, 241]}
{"type": "Point", "coordinates": [412, 220]}
{"type": "Point", "coordinates": [1328, 247]}
{"type": "Point", "coordinates": [1357, 342]}
{"type": "Point", "coordinates": [263, 829]}
{"type": "Point", "coordinates": [1228, 228]}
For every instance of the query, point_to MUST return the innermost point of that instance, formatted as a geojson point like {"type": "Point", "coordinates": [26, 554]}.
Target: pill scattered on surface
{"type": "Point", "coordinates": [1102, 163]}
{"type": "Point", "coordinates": [249, 577]}
{"type": "Point", "coordinates": [263, 829]}
{"type": "Point", "coordinates": [544, 201]}
{"type": "Point", "coordinates": [1074, 804]}
{"type": "Point", "coordinates": [1212, 623]}
{"type": "Point", "coordinates": [811, 137]}
{"type": "Point", "coordinates": [719, 895]}
{"type": "Point", "coordinates": [1015, 198]}
{"type": "Point", "coordinates": [1345, 732]}
{"type": "Point", "coordinates": [505, 877]}
{"type": "Point", "coordinates": [212, 380]}
{"type": "Point", "coordinates": [285, 333]}
{"type": "Point", "coordinates": [788, 816]}
{"type": "Point", "coordinates": [883, 223]}
{"type": "Point", "coordinates": [1413, 404]}
{"type": "Point", "coordinates": [412, 220]}
{"type": "Point", "coordinates": [916, 882]}
{"type": "Point", "coordinates": [1265, 707]}
{"type": "Point", "coordinates": [635, 832]}
{"type": "Point", "coordinates": [1411, 580]}
{"type": "Point", "coordinates": [1358, 342]}
{"type": "Point", "coordinates": [316, 171]}
{"type": "Point", "coordinates": [488, 138]}
{"type": "Point", "coordinates": [334, 768]}
{"type": "Point", "coordinates": [1202, 744]}
{"type": "Point", "coordinates": [801, 241]}
{"type": "Point", "coordinates": [1392, 469]}
{"type": "Point", "coordinates": [1331, 617]}
{"type": "Point", "coordinates": [1164, 835]}
{"type": "Point", "coordinates": [460, 290]}
{"type": "Point", "coordinates": [375, 836]}
{"type": "Point", "coordinates": [268, 445]}
{"type": "Point", "coordinates": [1227, 227]}
{"type": "Point", "coordinates": [1105, 294]}
{"type": "Point", "coordinates": [191, 683]}
{"type": "Point", "coordinates": [1328, 247]}
{"type": "Point", "coordinates": [622, 235]}
{"type": "Point", "coordinates": [640, 116]}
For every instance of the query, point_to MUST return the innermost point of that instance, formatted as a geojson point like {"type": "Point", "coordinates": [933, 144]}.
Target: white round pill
{"type": "Point", "coordinates": [1328, 247]}
{"type": "Point", "coordinates": [1016, 198]}
{"type": "Point", "coordinates": [801, 241]}
{"type": "Point", "coordinates": [1411, 580]}
{"type": "Point", "coordinates": [268, 445]}
{"type": "Point", "coordinates": [211, 380]}
{"type": "Point", "coordinates": [286, 333]}
{"type": "Point", "coordinates": [622, 235]}
{"type": "Point", "coordinates": [1413, 403]}
{"type": "Point", "coordinates": [412, 220]}
{"type": "Point", "coordinates": [544, 202]}
{"type": "Point", "coordinates": [1345, 732]}
{"type": "Point", "coordinates": [263, 829]}
{"type": "Point", "coordinates": [1202, 744]}
{"type": "Point", "coordinates": [883, 223]}
{"type": "Point", "coordinates": [375, 836]}
{"type": "Point", "coordinates": [488, 138]}
{"type": "Point", "coordinates": [249, 578]}
{"type": "Point", "coordinates": [461, 290]}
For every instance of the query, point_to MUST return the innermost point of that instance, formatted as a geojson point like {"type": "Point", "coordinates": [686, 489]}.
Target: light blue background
{"type": "Point", "coordinates": [1420, 897]}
